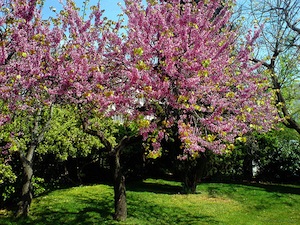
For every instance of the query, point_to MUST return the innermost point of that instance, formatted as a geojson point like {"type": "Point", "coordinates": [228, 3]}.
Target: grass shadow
{"type": "Point", "coordinates": [146, 201]}
{"type": "Point", "coordinates": [164, 214]}
{"type": "Point", "coordinates": [89, 212]}
{"type": "Point", "coordinates": [92, 214]}
{"type": "Point", "coordinates": [279, 188]}
{"type": "Point", "coordinates": [257, 197]}
{"type": "Point", "coordinates": [69, 209]}
{"type": "Point", "coordinates": [213, 190]}
{"type": "Point", "coordinates": [154, 187]}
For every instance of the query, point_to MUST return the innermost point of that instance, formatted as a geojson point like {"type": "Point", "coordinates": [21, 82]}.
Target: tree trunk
{"type": "Point", "coordinates": [119, 178]}
{"type": "Point", "coordinates": [26, 197]}
{"type": "Point", "coordinates": [190, 184]}
{"type": "Point", "coordinates": [247, 168]}
{"type": "Point", "coordinates": [193, 172]}
{"type": "Point", "coordinates": [119, 190]}
{"type": "Point", "coordinates": [283, 111]}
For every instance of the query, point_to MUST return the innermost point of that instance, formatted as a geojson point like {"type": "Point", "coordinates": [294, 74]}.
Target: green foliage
{"type": "Point", "coordinates": [38, 186]}
{"type": "Point", "coordinates": [282, 162]}
{"type": "Point", "coordinates": [65, 137]}
{"type": "Point", "coordinates": [7, 175]}
{"type": "Point", "coordinates": [7, 181]}
{"type": "Point", "coordinates": [158, 202]}
{"type": "Point", "coordinates": [226, 166]}
{"type": "Point", "coordinates": [276, 155]}
{"type": "Point", "coordinates": [288, 73]}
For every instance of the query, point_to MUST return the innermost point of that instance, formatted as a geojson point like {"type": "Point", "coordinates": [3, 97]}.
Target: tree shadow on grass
{"type": "Point", "coordinates": [97, 207]}
{"type": "Point", "coordinates": [257, 196]}
{"type": "Point", "coordinates": [272, 188]}
{"type": "Point", "coordinates": [153, 213]}
{"type": "Point", "coordinates": [157, 188]}
{"type": "Point", "coordinates": [142, 207]}
{"type": "Point", "coordinates": [284, 189]}
{"type": "Point", "coordinates": [88, 211]}
{"type": "Point", "coordinates": [91, 211]}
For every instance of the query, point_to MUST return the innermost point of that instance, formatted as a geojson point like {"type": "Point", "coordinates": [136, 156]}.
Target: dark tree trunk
{"type": "Point", "coordinates": [283, 111]}
{"type": "Point", "coordinates": [119, 178]}
{"type": "Point", "coordinates": [247, 168]}
{"type": "Point", "coordinates": [190, 184]}
{"type": "Point", "coordinates": [192, 174]}
{"type": "Point", "coordinates": [119, 190]}
{"type": "Point", "coordinates": [26, 196]}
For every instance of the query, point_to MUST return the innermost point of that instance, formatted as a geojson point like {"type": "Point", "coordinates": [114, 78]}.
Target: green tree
{"type": "Point", "coordinates": [278, 52]}
{"type": "Point", "coordinates": [66, 139]}
{"type": "Point", "coordinates": [7, 175]}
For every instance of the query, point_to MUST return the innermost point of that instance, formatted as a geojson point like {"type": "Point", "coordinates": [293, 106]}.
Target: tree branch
{"type": "Point", "coordinates": [260, 61]}
{"type": "Point", "coordinates": [108, 146]}
{"type": "Point", "coordinates": [289, 122]}
{"type": "Point", "coordinates": [288, 22]}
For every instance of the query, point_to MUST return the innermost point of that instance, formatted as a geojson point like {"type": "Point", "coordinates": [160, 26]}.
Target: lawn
{"type": "Point", "coordinates": [159, 202]}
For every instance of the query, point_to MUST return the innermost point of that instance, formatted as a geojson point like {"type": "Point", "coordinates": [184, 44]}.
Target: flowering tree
{"type": "Point", "coordinates": [187, 64]}
{"type": "Point", "coordinates": [64, 61]}
{"type": "Point", "coordinates": [95, 79]}
{"type": "Point", "coordinates": [181, 66]}
{"type": "Point", "coordinates": [45, 63]}
{"type": "Point", "coordinates": [195, 76]}
{"type": "Point", "coordinates": [68, 60]}
{"type": "Point", "coordinates": [27, 68]}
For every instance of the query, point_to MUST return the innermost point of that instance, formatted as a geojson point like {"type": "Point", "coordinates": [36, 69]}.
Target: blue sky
{"type": "Point", "coordinates": [110, 6]}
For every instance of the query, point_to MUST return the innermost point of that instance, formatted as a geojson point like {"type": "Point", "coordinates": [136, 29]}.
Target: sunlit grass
{"type": "Point", "coordinates": [159, 202]}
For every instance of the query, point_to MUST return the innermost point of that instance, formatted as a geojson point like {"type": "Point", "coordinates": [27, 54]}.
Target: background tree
{"type": "Point", "coordinates": [279, 52]}
{"type": "Point", "coordinates": [66, 141]}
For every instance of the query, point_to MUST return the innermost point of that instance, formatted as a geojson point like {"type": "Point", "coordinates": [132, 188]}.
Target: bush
{"type": "Point", "coordinates": [281, 163]}
{"type": "Point", "coordinates": [276, 155]}
{"type": "Point", "coordinates": [7, 182]}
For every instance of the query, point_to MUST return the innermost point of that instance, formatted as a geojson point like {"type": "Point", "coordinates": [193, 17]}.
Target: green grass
{"type": "Point", "coordinates": [159, 202]}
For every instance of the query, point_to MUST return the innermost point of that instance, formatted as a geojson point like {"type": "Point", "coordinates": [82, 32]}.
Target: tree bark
{"type": "Point", "coordinates": [119, 190]}
{"type": "Point", "coordinates": [26, 198]}
{"type": "Point", "coordinates": [190, 184]}
{"type": "Point", "coordinates": [119, 179]}
{"type": "Point", "coordinates": [193, 172]}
